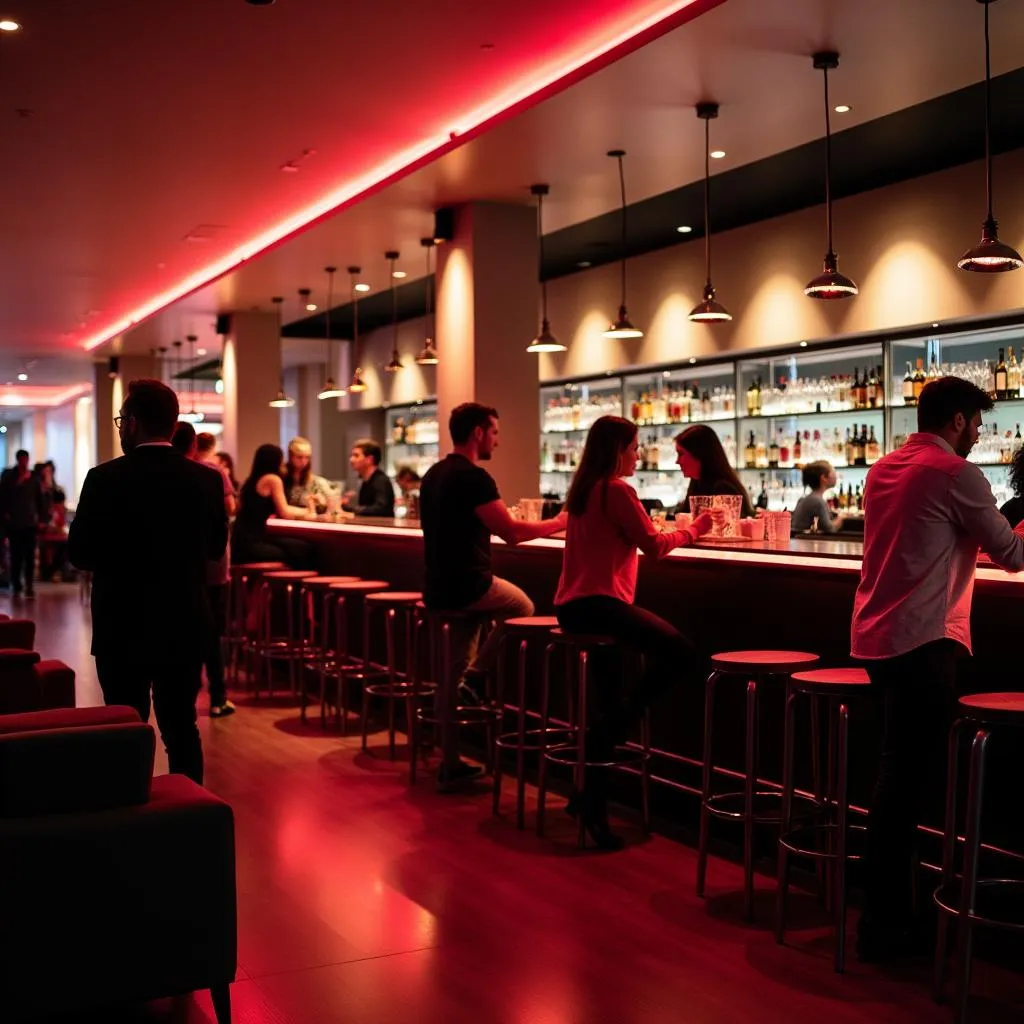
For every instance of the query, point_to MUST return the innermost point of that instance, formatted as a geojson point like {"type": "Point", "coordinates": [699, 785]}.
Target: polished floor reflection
{"type": "Point", "coordinates": [361, 900]}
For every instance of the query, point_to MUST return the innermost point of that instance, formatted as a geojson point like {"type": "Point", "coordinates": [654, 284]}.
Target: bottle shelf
{"type": "Point", "coordinates": [563, 431]}
{"type": "Point", "coordinates": [725, 417]}
{"type": "Point", "coordinates": [996, 401]}
{"type": "Point", "coordinates": [798, 469]}
{"type": "Point", "coordinates": [819, 415]}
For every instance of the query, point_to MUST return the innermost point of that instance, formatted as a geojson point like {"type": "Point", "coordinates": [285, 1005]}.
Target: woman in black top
{"type": "Point", "coordinates": [1014, 508]}
{"type": "Point", "coordinates": [262, 496]}
{"type": "Point", "coordinates": [701, 457]}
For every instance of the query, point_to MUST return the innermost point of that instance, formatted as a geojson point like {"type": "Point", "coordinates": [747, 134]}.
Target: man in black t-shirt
{"type": "Point", "coordinates": [460, 509]}
{"type": "Point", "coordinates": [376, 495]}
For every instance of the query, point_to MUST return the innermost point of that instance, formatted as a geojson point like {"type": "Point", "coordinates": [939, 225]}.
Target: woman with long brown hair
{"type": "Point", "coordinates": [701, 457]}
{"type": "Point", "coordinates": [607, 524]}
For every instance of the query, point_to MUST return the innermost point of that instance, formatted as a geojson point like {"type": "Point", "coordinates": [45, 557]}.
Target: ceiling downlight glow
{"type": "Point", "coordinates": [843, 108]}
{"type": "Point", "coordinates": [429, 148]}
{"type": "Point", "coordinates": [684, 229]}
{"type": "Point", "coordinates": [361, 287]}
{"type": "Point", "coordinates": [717, 154]}
{"type": "Point", "coordinates": [8, 25]}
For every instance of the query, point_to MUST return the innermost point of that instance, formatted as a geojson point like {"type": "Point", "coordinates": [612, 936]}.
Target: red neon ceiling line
{"type": "Point", "coordinates": [471, 125]}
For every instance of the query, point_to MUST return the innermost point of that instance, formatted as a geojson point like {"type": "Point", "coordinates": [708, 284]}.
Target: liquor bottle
{"type": "Point", "coordinates": [784, 454]}
{"type": "Point", "coordinates": [762, 498]}
{"type": "Point", "coordinates": [858, 449]}
{"type": "Point", "coordinates": [919, 380]}
{"type": "Point", "coordinates": [1013, 376]}
{"type": "Point", "coordinates": [862, 391]}
{"type": "Point", "coordinates": [1001, 377]}
{"type": "Point", "coordinates": [761, 457]}
{"type": "Point", "coordinates": [909, 395]}
{"type": "Point", "coordinates": [872, 390]}
{"type": "Point", "coordinates": [545, 457]}
{"type": "Point", "coordinates": [933, 370]}
{"type": "Point", "coordinates": [750, 453]}
{"type": "Point", "coordinates": [1018, 441]}
{"type": "Point", "coordinates": [798, 451]}
{"type": "Point", "coordinates": [848, 452]}
{"type": "Point", "coordinates": [634, 410]}
{"type": "Point", "coordinates": [873, 450]}
{"type": "Point", "coordinates": [773, 455]}
{"type": "Point", "coordinates": [841, 498]}
{"type": "Point", "coordinates": [859, 499]}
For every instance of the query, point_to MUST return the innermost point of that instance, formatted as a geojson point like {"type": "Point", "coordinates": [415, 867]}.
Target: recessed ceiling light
{"type": "Point", "coordinates": [693, 359]}
{"type": "Point", "coordinates": [200, 351]}
{"type": "Point", "coordinates": [7, 25]}
{"type": "Point", "coordinates": [362, 287]}
{"type": "Point", "coordinates": [935, 325]}
{"type": "Point", "coordinates": [398, 274]}
{"type": "Point", "coordinates": [843, 108]}
{"type": "Point", "coordinates": [717, 154]}
{"type": "Point", "coordinates": [310, 307]}
{"type": "Point", "coordinates": [684, 229]}
{"type": "Point", "coordinates": [23, 377]}
{"type": "Point", "coordinates": [803, 344]}
{"type": "Point", "coordinates": [583, 264]}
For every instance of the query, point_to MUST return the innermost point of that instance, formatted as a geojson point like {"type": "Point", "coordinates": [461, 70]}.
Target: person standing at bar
{"type": "Point", "coordinates": [376, 495]}
{"type": "Point", "coordinates": [701, 457]}
{"type": "Point", "coordinates": [146, 526]}
{"type": "Point", "coordinates": [596, 590]}
{"type": "Point", "coordinates": [927, 513]}
{"type": "Point", "coordinates": [460, 509]}
{"type": "Point", "coordinates": [305, 488]}
{"type": "Point", "coordinates": [23, 508]}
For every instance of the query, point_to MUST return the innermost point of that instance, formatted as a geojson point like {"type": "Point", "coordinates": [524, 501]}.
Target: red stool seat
{"type": "Point", "coordinates": [396, 597]}
{"type": "Point", "coordinates": [763, 662]}
{"type": "Point", "coordinates": [323, 582]}
{"type": "Point", "coordinates": [997, 707]}
{"type": "Point", "coordinates": [249, 568]}
{"type": "Point", "coordinates": [831, 681]}
{"type": "Point", "coordinates": [360, 587]}
{"type": "Point", "coordinates": [289, 575]}
{"type": "Point", "coordinates": [531, 622]}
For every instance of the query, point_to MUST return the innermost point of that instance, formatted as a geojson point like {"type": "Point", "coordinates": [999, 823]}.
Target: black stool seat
{"type": "Point", "coordinates": [251, 568]}
{"type": "Point", "coordinates": [562, 636]}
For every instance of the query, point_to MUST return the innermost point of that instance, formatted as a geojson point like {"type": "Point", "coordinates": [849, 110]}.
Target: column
{"type": "Point", "coordinates": [486, 315]}
{"type": "Point", "coordinates": [37, 445]}
{"type": "Point", "coordinates": [108, 394]}
{"type": "Point", "coordinates": [251, 374]}
{"type": "Point", "coordinates": [309, 384]}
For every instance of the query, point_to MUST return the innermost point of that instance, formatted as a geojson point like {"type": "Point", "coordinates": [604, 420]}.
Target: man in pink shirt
{"type": "Point", "coordinates": [927, 514]}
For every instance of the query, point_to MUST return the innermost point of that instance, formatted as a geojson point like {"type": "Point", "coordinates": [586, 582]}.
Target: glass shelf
{"type": "Point", "coordinates": [821, 415]}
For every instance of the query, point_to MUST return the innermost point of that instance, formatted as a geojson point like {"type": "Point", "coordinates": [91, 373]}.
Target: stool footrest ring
{"type": "Point", "coordinates": [400, 691]}
{"type": "Point", "coordinates": [1000, 902]}
{"type": "Point", "coordinates": [767, 806]}
{"type": "Point", "coordinates": [469, 715]}
{"type": "Point", "coordinates": [622, 756]}
{"type": "Point", "coordinates": [532, 737]}
{"type": "Point", "coordinates": [794, 839]}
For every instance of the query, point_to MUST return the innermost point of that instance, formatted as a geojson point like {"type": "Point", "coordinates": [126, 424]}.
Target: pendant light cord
{"type": "Point", "coordinates": [355, 318]}
{"type": "Point", "coordinates": [327, 320]}
{"type": "Point", "coordinates": [394, 313]}
{"type": "Point", "coordinates": [622, 250]}
{"type": "Point", "coordinates": [988, 116]}
{"type": "Point", "coordinates": [707, 199]}
{"type": "Point", "coordinates": [540, 259]}
{"type": "Point", "coordinates": [828, 165]}
{"type": "Point", "coordinates": [430, 313]}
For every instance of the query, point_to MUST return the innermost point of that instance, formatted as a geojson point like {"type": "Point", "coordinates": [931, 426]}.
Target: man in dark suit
{"type": "Point", "coordinates": [146, 526]}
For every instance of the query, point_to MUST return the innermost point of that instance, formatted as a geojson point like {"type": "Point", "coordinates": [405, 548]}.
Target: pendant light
{"type": "Point", "coordinates": [357, 385]}
{"type": "Point", "coordinates": [428, 355]}
{"type": "Point", "coordinates": [545, 341]}
{"type": "Point", "coordinates": [829, 284]}
{"type": "Point", "coordinates": [989, 256]}
{"type": "Point", "coordinates": [621, 327]}
{"type": "Point", "coordinates": [396, 362]}
{"type": "Point", "coordinates": [280, 400]}
{"type": "Point", "coordinates": [192, 416]}
{"type": "Point", "coordinates": [708, 311]}
{"type": "Point", "coordinates": [330, 389]}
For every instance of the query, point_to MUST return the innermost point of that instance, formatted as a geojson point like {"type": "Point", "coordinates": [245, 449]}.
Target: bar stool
{"type": "Point", "coordinates": [578, 649]}
{"type": "Point", "coordinates": [345, 665]}
{"type": "Point", "coordinates": [969, 900]}
{"type": "Point", "coordinates": [282, 584]}
{"type": "Point", "coordinates": [314, 605]}
{"type": "Point", "coordinates": [524, 630]}
{"type": "Point", "coordinates": [402, 686]}
{"type": "Point", "coordinates": [241, 587]}
{"type": "Point", "coordinates": [756, 667]}
{"type": "Point", "coordinates": [837, 686]}
{"type": "Point", "coordinates": [439, 623]}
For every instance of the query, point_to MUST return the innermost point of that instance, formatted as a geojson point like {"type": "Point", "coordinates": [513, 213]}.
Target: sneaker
{"type": "Point", "coordinates": [222, 710]}
{"type": "Point", "coordinates": [450, 779]}
{"type": "Point", "coordinates": [471, 689]}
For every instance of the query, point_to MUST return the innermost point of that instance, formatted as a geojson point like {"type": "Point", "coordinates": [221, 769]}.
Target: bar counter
{"type": "Point", "coordinates": [727, 595]}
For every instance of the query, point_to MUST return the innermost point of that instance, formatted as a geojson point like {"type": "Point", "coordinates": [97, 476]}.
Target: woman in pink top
{"type": "Point", "coordinates": [607, 524]}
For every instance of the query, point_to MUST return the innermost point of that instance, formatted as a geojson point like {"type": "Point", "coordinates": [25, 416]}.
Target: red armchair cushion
{"type": "Point", "coordinates": [28, 684]}
{"type": "Point", "coordinates": [86, 768]}
{"type": "Point", "coordinates": [120, 906]}
{"type": "Point", "coordinates": [55, 685]}
{"type": "Point", "coordinates": [17, 634]}
{"type": "Point", "coordinates": [67, 718]}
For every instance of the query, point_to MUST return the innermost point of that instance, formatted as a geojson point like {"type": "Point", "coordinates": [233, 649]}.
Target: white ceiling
{"type": "Point", "coordinates": [752, 56]}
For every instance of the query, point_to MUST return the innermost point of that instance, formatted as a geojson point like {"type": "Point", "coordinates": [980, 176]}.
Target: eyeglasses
{"type": "Point", "coordinates": [118, 420]}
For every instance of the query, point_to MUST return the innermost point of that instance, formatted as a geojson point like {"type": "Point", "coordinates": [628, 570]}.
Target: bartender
{"type": "Point", "coordinates": [304, 488]}
{"type": "Point", "coordinates": [376, 495]}
{"type": "Point", "coordinates": [819, 477]}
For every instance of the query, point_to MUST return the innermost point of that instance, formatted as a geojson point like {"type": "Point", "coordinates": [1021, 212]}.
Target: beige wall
{"type": "Point", "coordinates": [410, 383]}
{"type": "Point", "coordinates": [900, 244]}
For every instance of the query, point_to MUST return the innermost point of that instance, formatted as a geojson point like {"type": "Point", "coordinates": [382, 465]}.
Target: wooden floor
{"type": "Point", "coordinates": [360, 900]}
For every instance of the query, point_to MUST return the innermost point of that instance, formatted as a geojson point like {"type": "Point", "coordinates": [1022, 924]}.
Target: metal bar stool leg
{"type": "Point", "coordinates": [521, 750]}
{"type": "Point", "coordinates": [749, 786]}
{"type": "Point", "coordinates": [581, 759]}
{"type": "Point", "coordinates": [289, 618]}
{"type": "Point", "coordinates": [787, 812]}
{"type": "Point", "coordinates": [364, 714]}
{"type": "Point", "coordinates": [839, 889]}
{"type": "Point", "coordinates": [389, 632]}
{"type": "Point", "coordinates": [542, 768]}
{"type": "Point", "coordinates": [968, 894]}
{"type": "Point", "coordinates": [645, 776]}
{"type": "Point", "coordinates": [948, 856]}
{"type": "Point", "coordinates": [500, 703]}
{"type": "Point", "coordinates": [705, 817]}
{"type": "Point", "coordinates": [341, 694]}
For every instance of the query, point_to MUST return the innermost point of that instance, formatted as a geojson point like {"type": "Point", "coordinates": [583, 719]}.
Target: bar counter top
{"type": "Point", "coordinates": [829, 554]}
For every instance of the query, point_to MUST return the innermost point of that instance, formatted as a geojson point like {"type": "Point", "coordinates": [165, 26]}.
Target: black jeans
{"type": "Point", "coordinates": [213, 659]}
{"type": "Point", "coordinates": [295, 553]}
{"type": "Point", "coordinates": [175, 681]}
{"type": "Point", "coordinates": [23, 556]}
{"type": "Point", "coordinates": [918, 694]}
{"type": "Point", "coordinates": [669, 657]}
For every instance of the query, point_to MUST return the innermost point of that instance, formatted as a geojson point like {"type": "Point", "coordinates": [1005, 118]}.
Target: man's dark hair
{"type": "Point", "coordinates": [369, 448]}
{"type": "Point", "coordinates": [466, 418]}
{"type": "Point", "coordinates": [21, 454]}
{"type": "Point", "coordinates": [942, 399]}
{"type": "Point", "coordinates": [154, 407]}
{"type": "Point", "coordinates": [205, 442]}
{"type": "Point", "coordinates": [183, 438]}
{"type": "Point", "coordinates": [407, 473]}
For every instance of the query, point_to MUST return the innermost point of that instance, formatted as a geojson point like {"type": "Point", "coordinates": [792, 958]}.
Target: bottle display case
{"type": "Point", "coordinates": [412, 437]}
{"type": "Point", "coordinates": [778, 412]}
